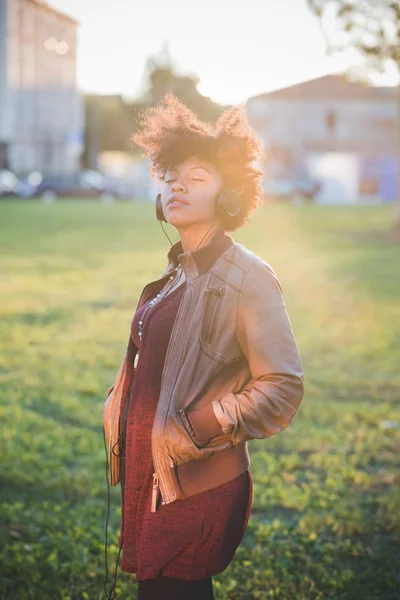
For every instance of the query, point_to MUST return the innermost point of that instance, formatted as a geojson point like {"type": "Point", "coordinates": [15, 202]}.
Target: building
{"type": "Point", "coordinates": [344, 134]}
{"type": "Point", "coordinates": [41, 111]}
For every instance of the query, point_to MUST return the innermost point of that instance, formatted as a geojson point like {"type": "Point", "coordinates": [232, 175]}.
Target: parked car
{"type": "Point", "coordinates": [12, 186]}
{"type": "Point", "coordinates": [279, 190]}
{"type": "Point", "coordinates": [286, 189]}
{"type": "Point", "coordinates": [85, 184]}
{"type": "Point", "coordinates": [307, 188]}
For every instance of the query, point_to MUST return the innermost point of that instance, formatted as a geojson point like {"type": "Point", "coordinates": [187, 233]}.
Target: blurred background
{"type": "Point", "coordinates": [320, 83]}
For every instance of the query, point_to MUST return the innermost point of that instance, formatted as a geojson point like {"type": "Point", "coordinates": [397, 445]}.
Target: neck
{"type": "Point", "coordinates": [193, 239]}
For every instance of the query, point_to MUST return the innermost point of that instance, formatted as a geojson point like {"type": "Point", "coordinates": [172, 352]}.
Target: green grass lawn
{"type": "Point", "coordinates": [325, 520]}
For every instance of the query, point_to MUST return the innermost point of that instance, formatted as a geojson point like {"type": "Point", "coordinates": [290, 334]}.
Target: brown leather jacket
{"type": "Point", "coordinates": [232, 371]}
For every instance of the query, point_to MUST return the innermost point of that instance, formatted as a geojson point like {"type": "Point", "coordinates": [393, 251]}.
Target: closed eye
{"type": "Point", "coordinates": [193, 179]}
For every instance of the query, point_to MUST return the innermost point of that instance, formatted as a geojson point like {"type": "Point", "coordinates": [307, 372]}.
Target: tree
{"type": "Point", "coordinates": [107, 122]}
{"type": "Point", "coordinates": [160, 77]}
{"type": "Point", "coordinates": [372, 28]}
{"type": "Point", "coordinates": [111, 121]}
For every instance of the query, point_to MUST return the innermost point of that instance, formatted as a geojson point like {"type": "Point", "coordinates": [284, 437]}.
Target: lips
{"type": "Point", "coordinates": [177, 198]}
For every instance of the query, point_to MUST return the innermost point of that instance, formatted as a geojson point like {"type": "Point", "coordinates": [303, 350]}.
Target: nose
{"type": "Point", "coordinates": [176, 186]}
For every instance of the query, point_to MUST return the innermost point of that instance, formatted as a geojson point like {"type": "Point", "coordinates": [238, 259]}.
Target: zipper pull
{"type": "Point", "coordinates": [154, 494]}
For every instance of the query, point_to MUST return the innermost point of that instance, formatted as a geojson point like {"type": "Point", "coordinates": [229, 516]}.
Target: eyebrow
{"type": "Point", "coordinates": [191, 169]}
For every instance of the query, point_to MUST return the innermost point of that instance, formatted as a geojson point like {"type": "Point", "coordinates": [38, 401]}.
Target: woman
{"type": "Point", "coordinates": [211, 362]}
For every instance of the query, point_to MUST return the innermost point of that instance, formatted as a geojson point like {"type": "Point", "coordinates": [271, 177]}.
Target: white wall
{"type": "Point", "coordinates": [43, 109]}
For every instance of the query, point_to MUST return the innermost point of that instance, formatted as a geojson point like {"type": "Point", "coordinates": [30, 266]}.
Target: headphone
{"type": "Point", "coordinates": [228, 204]}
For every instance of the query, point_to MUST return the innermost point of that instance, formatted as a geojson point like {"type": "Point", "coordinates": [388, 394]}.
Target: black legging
{"type": "Point", "coordinates": [166, 588]}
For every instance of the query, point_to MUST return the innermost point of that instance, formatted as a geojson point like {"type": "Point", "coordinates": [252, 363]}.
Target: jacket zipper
{"type": "Point", "coordinates": [154, 494]}
{"type": "Point", "coordinates": [160, 417]}
{"type": "Point", "coordinates": [155, 486]}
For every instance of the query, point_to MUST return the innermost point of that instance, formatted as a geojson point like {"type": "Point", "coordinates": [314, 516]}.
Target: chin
{"type": "Point", "coordinates": [179, 221]}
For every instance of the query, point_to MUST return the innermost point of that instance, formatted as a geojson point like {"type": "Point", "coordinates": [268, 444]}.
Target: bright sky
{"type": "Point", "coordinates": [238, 48]}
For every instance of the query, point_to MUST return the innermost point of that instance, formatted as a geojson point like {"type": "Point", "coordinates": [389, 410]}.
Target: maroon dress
{"type": "Point", "coordinates": [187, 539]}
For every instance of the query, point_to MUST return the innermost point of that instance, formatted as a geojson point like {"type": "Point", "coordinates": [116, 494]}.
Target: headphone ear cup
{"type": "Point", "coordinates": [220, 204]}
{"type": "Point", "coordinates": [159, 210]}
{"type": "Point", "coordinates": [228, 203]}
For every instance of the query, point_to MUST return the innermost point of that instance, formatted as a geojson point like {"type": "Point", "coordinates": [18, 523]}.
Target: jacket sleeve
{"type": "Point", "coordinates": [270, 400]}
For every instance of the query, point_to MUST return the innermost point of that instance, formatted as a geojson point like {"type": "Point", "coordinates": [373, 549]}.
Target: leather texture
{"type": "Point", "coordinates": [233, 348]}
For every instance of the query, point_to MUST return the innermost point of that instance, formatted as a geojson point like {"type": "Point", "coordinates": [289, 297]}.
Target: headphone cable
{"type": "Point", "coordinates": [111, 595]}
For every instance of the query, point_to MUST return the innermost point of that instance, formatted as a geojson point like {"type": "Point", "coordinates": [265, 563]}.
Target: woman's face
{"type": "Point", "coordinates": [196, 184]}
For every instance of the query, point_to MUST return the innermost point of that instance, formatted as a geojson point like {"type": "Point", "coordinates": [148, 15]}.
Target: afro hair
{"type": "Point", "coordinates": [171, 133]}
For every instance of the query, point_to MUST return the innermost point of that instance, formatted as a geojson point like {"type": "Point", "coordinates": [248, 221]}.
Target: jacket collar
{"type": "Point", "coordinates": [198, 262]}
